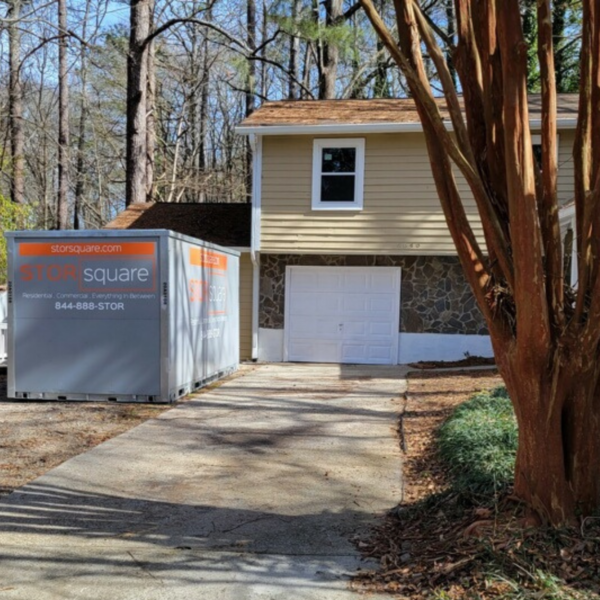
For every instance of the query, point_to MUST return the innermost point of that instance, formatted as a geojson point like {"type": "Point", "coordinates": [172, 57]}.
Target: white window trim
{"type": "Point", "coordinates": [359, 173]}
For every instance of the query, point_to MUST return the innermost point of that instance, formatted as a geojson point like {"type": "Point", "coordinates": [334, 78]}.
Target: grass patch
{"type": "Point", "coordinates": [478, 444]}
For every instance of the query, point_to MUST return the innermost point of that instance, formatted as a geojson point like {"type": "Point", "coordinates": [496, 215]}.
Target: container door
{"type": "Point", "coordinates": [87, 316]}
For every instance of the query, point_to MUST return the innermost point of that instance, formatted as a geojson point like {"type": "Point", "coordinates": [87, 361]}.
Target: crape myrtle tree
{"type": "Point", "coordinates": [546, 336]}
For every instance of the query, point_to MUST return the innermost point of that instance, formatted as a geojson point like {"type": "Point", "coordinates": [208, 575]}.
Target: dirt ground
{"type": "Point", "coordinates": [38, 436]}
{"type": "Point", "coordinates": [436, 545]}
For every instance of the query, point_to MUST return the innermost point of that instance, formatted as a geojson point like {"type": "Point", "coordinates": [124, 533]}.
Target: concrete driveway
{"type": "Point", "coordinates": [252, 490]}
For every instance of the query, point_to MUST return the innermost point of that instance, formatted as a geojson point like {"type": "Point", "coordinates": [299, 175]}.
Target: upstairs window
{"type": "Point", "coordinates": [338, 174]}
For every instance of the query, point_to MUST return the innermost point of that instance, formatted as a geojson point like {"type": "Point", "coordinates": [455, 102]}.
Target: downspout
{"type": "Point", "coordinates": [256, 143]}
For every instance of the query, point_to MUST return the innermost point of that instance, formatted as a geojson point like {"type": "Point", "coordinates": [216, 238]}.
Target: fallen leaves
{"type": "Point", "coordinates": [433, 544]}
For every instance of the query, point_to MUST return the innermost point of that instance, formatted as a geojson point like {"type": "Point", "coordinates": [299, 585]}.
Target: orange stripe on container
{"type": "Point", "coordinates": [87, 249]}
{"type": "Point", "coordinates": [200, 257]}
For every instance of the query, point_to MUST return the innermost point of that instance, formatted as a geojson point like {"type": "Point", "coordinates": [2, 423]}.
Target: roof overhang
{"type": "Point", "coordinates": [366, 128]}
{"type": "Point", "coordinates": [567, 212]}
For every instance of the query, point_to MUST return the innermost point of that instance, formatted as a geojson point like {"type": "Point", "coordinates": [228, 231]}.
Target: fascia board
{"type": "Point", "coordinates": [366, 128]}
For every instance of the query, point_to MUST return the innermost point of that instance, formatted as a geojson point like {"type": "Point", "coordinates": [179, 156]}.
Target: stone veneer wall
{"type": "Point", "coordinates": [435, 296]}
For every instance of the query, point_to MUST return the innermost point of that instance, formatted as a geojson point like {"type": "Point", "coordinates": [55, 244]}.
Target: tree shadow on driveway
{"type": "Point", "coordinates": [55, 534]}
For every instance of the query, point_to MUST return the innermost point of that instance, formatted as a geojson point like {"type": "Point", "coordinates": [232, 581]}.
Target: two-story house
{"type": "Point", "coordinates": [352, 258]}
{"type": "Point", "coordinates": [349, 258]}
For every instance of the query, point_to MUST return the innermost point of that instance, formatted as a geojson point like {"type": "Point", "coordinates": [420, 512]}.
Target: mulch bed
{"type": "Point", "coordinates": [435, 544]}
{"type": "Point", "coordinates": [469, 361]}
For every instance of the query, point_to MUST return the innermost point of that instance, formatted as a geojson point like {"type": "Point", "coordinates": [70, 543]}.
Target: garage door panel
{"type": "Point", "coordinates": [381, 303]}
{"type": "Point", "coordinates": [354, 353]}
{"type": "Point", "coordinates": [380, 353]}
{"type": "Point", "coordinates": [381, 331]}
{"type": "Point", "coordinates": [331, 282]}
{"type": "Point", "coordinates": [379, 328]}
{"type": "Point", "coordinates": [354, 328]}
{"type": "Point", "coordinates": [309, 304]}
{"type": "Point", "coordinates": [356, 282]}
{"type": "Point", "coordinates": [315, 328]}
{"type": "Point", "coordinates": [303, 304]}
{"type": "Point", "coordinates": [383, 281]}
{"type": "Point", "coordinates": [315, 352]}
{"type": "Point", "coordinates": [342, 314]}
{"type": "Point", "coordinates": [354, 303]}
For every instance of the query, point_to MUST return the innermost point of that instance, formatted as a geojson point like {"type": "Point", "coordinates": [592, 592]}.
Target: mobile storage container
{"type": "Point", "coordinates": [144, 316]}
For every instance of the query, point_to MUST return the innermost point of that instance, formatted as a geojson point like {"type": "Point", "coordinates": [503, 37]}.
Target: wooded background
{"type": "Point", "coordinates": [64, 99]}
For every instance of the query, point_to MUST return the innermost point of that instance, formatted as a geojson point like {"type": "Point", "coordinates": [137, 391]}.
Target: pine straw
{"type": "Point", "coordinates": [435, 544]}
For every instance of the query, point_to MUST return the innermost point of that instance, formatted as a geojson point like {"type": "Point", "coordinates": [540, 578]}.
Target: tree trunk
{"type": "Point", "coordinates": [382, 85]}
{"type": "Point", "coordinates": [331, 54]}
{"type": "Point", "coordinates": [150, 112]}
{"type": "Point", "coordinates": [80, 174]}
{"type": "Point", "coordinates": [137, 92]}
{"type": "Point", "coordinates": [547, 344]}
{"type": "Point", "coordinates": [450, 31]}
{"type": "Point", "coordinates": [80, 168]}
{"type": "Point", "coordinates": [557, 471]}
{"type": "Point", "coordinates": [62, 212]}
{"type": "Point", "coordinates": [294, 64]}
{"type": "Point", "coordinates": [15, 104]}
{"type": "Point", "coordinates": [203, 116]}
{"type": "Point", "coordinates": [250, 91]}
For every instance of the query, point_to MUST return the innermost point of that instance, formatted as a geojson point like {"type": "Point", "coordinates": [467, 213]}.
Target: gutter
{"type": "Point", "coordinates": [366, 128]}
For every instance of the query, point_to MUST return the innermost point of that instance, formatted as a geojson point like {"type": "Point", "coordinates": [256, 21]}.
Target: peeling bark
{"type": "Point", "coordinates": [547, 349]}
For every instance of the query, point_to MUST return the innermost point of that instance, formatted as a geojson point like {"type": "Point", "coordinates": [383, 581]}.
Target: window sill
{"type": "Point", "coordinates": [336, 207]}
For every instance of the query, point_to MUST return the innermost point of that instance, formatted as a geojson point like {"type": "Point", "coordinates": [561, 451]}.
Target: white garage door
{"type": "Point", "coordinates": [342, 314]}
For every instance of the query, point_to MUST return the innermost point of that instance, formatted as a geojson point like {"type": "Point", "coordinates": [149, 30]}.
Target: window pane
{"type": "Point", "coordinates": [537, 154]}
{"type": "Point", "coordinates": [338, 160]}
{"type": "Point", "coordinates": [337, 188]}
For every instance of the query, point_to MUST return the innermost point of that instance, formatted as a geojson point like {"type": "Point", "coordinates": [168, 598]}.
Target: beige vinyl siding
{"type": "Point", "coordinates": [245, 306]}
{"type": "Point", "coordinates": [401, 214]}
{"type": "Point", "coordinates": [566, 174]}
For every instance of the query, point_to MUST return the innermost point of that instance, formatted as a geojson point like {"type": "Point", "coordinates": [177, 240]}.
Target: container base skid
{"type": "Point", "coordinates": [36, 397]}
{"type": "Point", "coordinates": [190, 388]}
{"type": "Point", "coordinates": [175, 395]}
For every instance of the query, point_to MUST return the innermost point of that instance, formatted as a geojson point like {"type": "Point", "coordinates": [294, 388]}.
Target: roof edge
{"type": "Point", "coordinates": [365, 128]}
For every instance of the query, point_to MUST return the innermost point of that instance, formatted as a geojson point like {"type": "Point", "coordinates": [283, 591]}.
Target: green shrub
{"type": "Point", "coordinates": [478, 444]}
{"type": "Point", "coordinates": [13, 217]}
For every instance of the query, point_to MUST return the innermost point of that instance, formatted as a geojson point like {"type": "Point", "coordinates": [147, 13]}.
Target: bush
{"type": "Point", "coordinates": [478, 444]}
{"type": "Point", "coordinates": [12, 217]}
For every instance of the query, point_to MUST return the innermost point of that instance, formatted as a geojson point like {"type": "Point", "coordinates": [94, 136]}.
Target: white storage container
{"type": "Point", "coordinates": [144, 316]}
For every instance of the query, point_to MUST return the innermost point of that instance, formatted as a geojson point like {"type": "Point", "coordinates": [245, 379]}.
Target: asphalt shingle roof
{"type": "Point", "coordinates": [218, 223]}
{"type": "Point", "coordinates": [366, 112]}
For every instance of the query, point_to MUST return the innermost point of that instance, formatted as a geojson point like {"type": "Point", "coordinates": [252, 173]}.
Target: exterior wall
{"type": "Point", "coordinates": [401, 214]}
{"type": "Point", "coordinates": [566, 173]}
{"type": "Point", "coordinates": [245, 306]}
{"type": "Point", "coordinates": [435, 297]}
